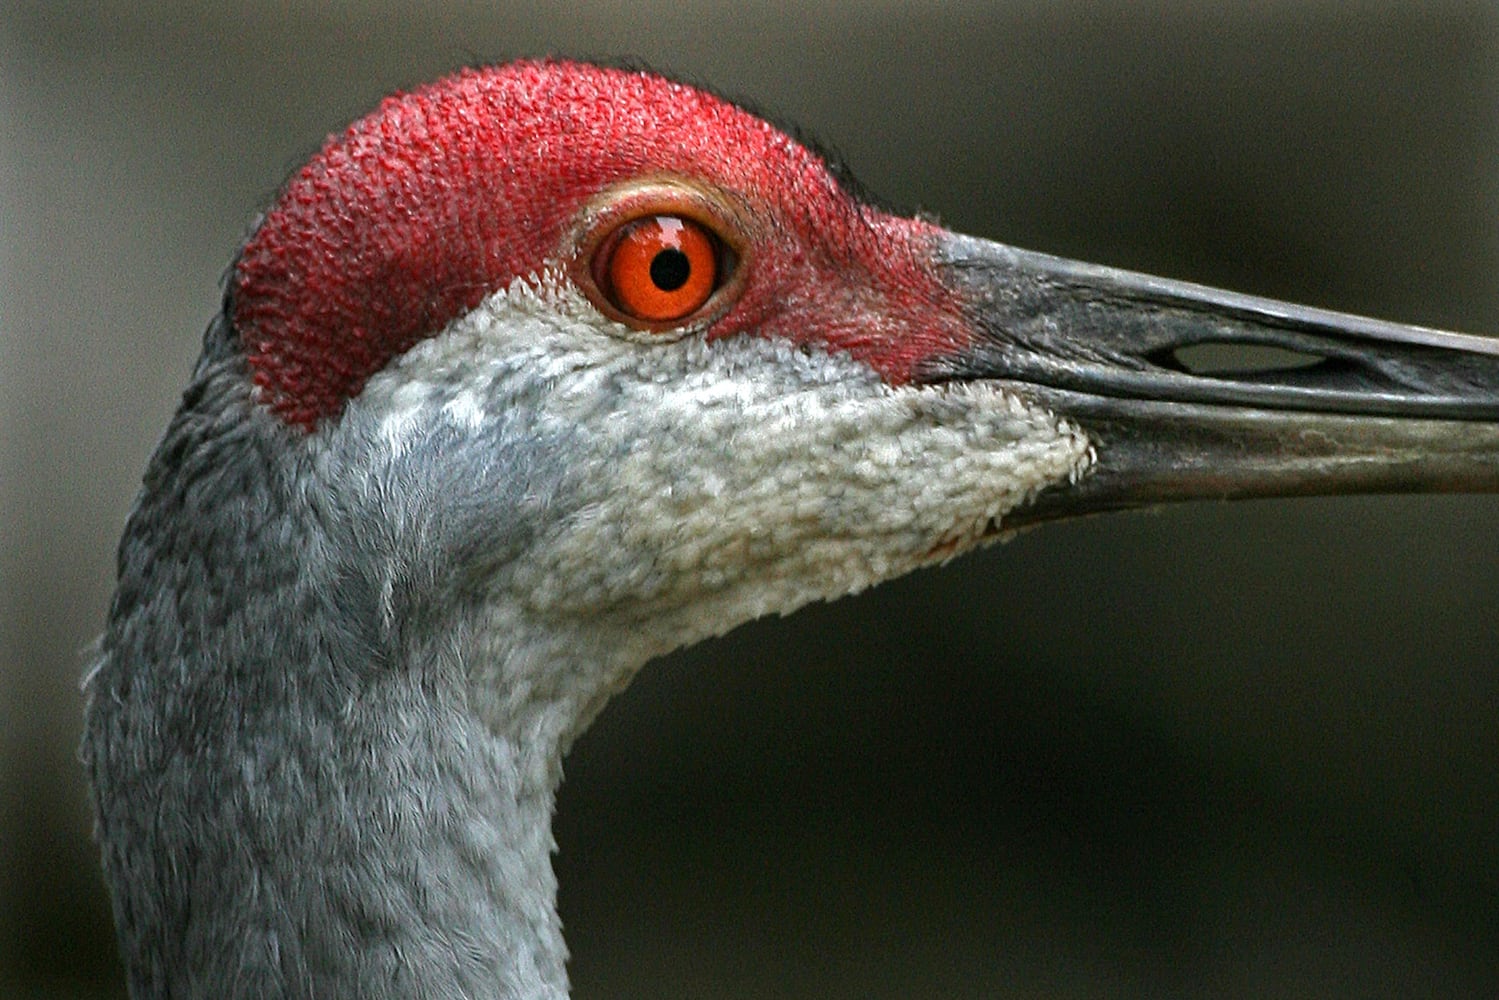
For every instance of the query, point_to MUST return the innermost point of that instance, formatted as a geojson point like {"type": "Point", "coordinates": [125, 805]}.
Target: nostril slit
{"type": "Point", "coordinates": [1219, 359]}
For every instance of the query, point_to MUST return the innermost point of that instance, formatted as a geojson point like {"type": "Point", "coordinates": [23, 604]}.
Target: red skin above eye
{"type": "Point", "coordinates": [440, 197]}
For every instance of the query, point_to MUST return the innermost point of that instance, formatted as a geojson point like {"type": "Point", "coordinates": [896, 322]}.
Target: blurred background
{"type": "Point", "coordinates": [1241, 751]}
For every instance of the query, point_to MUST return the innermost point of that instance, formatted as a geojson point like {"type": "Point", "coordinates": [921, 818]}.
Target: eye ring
{"type": "Point", "coordinates": [662, 257]}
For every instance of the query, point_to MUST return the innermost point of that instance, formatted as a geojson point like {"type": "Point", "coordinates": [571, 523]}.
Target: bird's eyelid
{"type": "Point", "coordinates": [617, 207]}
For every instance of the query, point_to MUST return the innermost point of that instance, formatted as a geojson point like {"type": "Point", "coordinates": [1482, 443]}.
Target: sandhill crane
{"type": "Point", "coordinates": [546, 369]}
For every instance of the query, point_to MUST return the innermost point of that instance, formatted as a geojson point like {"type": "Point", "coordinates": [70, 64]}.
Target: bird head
{"type": "Point", "coordinates": [623, 359]}
{"type": "Point", "coordinates": [624, 350]}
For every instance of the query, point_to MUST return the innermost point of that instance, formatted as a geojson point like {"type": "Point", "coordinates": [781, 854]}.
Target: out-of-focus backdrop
{"type": "Point", "coordinates": [1242, 751]}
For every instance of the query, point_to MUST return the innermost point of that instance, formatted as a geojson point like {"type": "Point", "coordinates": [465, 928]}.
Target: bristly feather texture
{"type": "Point", "coordinates": [424, 508]}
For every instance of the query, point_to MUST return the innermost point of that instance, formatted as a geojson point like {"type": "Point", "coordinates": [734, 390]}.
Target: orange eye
{"type": "Point", "coordinates": [659, 268]}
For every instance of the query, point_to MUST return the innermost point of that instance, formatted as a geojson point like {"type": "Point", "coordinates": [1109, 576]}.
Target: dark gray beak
{"type": "Point", "coordinates": [1191, 392]}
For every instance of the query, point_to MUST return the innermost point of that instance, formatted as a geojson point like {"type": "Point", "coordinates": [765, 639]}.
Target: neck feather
{"type": "Point", "coordinates": [318, 810]}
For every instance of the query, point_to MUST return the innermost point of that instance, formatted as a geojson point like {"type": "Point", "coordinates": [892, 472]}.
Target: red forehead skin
{"type": "Point", "coordinates": [441, 197]}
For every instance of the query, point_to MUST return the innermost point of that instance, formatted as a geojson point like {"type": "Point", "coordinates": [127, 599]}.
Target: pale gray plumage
{"type": "Point", "coordinates": [345, 666]}
{"type": "Point", "coordinates": [326, 722]}
{"type": "Point", "coordinates": [277, 754]}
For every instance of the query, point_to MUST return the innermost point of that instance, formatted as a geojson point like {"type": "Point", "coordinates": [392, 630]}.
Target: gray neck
{"type": "Point", "coordinates": [308, 811]}
{"type": "Point", "coordinates": [326, 724]}
{"type": "Point", "coordinates": [392, 853]}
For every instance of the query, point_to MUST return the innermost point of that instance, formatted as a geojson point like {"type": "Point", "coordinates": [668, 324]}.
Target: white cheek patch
{"type": "Point", "coordinates": [759, 505]}
{"type": "Point", "coordinates": [442, 378]}
{"type": "Point", "coordinates": [717, 482]}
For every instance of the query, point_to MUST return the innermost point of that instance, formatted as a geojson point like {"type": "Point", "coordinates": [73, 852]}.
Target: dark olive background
{"type": "Point", "coordinates": [1246, 751]}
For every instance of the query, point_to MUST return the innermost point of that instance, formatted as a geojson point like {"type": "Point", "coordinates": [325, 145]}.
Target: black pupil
{"type": "Point", "coordinates": [670, 269]}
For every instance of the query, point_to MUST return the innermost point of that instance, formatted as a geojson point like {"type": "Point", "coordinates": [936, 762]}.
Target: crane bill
{"type": "Point", "coordinates": [1327, 403]}
{"type": "Point", "coordinates": [1152, 452]}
